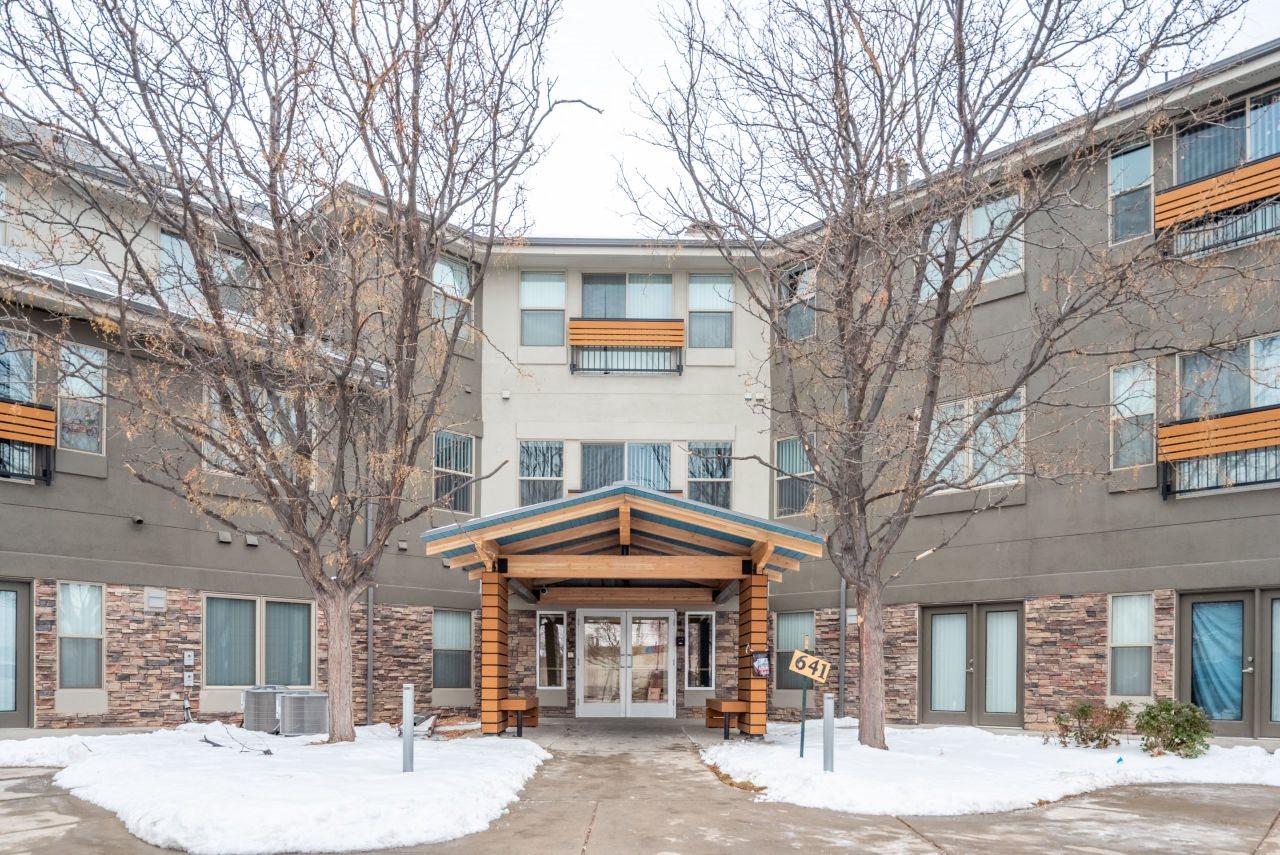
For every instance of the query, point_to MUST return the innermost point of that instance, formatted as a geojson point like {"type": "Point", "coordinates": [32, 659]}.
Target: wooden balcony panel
{"type": "Point", "coordinates": [28, 423]}
{"type": "Point", "coordinates": [1206, 437]}
{"type": "Point", "coordinates": [1249, 183]}
{"type": "Point", "coordinates": [594, 332]}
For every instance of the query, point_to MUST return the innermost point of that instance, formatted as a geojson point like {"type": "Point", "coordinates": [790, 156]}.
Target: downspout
{"type": "Point", "coordinates": [843, 636]}
{"type": "Point", "coordinates": [368, 635]}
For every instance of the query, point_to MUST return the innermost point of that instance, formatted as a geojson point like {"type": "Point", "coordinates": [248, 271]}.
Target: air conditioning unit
{"type": "Point", "coordinates": [262, 708]}
{"type": "Point", "coordinates": [304, 713]}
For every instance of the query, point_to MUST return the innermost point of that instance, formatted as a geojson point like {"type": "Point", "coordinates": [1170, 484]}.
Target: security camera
{"type": "Point", "coordinates": [137, 520]}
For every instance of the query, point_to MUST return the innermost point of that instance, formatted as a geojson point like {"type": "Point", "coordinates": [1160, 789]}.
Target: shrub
{"type": "Point", "coordinates": [1090, 726]}
{"type": "Point", "coordinates": [1173, 727]}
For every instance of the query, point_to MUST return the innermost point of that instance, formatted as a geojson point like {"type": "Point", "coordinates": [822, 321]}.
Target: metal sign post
{"type": "Point", "coordinates": [406, 727]}
{"type": "Point", "coordinates": [828, 733]}
{"type": "Point", "coordinates": [814, 669]}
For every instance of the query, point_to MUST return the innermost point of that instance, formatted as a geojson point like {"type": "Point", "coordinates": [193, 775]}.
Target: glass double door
{"type": "Point", "coordinates": [1229, 659]}
{"type": "Point", "coordinates": [15, 654]}
{"type": "Point", "coordinates": [971, 664]}
{"type": "Point", "coordinates": [626, 663]}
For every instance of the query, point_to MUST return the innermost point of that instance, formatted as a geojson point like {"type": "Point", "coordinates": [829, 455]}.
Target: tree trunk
{"type": "Point", "coordinates": [337, 612]}
{"type": "Point", "coordinates": [870, 668]}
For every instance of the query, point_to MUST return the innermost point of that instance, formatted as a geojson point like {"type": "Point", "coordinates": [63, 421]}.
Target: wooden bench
{"type": "Point", "coordinates": [522, 707]}
{"type": "Point", "coordinates": [722, 712]}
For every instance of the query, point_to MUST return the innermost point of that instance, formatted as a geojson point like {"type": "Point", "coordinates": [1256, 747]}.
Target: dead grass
{"type": "Point", "coordinates": [737, 785]}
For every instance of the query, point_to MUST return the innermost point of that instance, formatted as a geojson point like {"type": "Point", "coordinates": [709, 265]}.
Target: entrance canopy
{"type": "Point", "coordinates": [623, 546]}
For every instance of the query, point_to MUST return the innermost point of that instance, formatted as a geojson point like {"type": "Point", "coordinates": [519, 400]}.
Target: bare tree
{"type": "Point", "coordinates": [290, 206]}
{"type": "Point", "coordinates": [874, 174]}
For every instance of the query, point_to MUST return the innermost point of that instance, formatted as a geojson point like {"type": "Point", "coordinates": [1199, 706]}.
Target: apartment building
{"type": "Point", "coordinates": [607, 361]}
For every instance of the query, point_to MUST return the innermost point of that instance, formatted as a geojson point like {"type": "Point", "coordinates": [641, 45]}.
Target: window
{"type": "Point", "coordinates": [794, 489]}
{"type": "Point", "coordinates": [1131, 634]}
{"type": "Point", "coordinates": [797, 301]}
{"type": "Point", "coordinates": [81, 398]}
{"type": "Point", "coordinates": [541, 309]}
{"type": "Point", "coordinates": [980, 229]}
{"type": "Point", "coordinates": [633, 295]}
{"type": "Point", "coordinates": [451, 649]}
{"type": "Point", "coordinates": [1130, 193]}
{"type": "Point", "coordinates": [233, 627]}
{"type": "Point", "coordinates": [454, 470]}
{"type": "Point", "coordinates": [178, 276]}
{"type": "Point", "coordinates": [1230, 379]}
{"type": "Point", "coordinates": [246, 453]}
{"type": "Point", "coordinates": [795, 632]}
{"type": "Point", "coordinates": [17, 383]}
{"type": "Point", "coordinates": [551, 650]}
{"type": "Point", "coordinates": [711, 472]}
{"type": "Point", "coordinates": [541, 471]}
{"type": "Point", "coordinates": [453, 288]}
{"type": "Point", "coordinates": [1251, 132]}
{"type": "Point", "coordinates": [992, 456]}
{"type": "Point", "coordinates": [79, 636]}
{"type": "Point", "coordinates": [700, 650]}
{"type": "Point", "coordinates": [646, 463]}
{"type": "Point", "coordinates": [1133, 408]}
{"type": "Point", "coordinates": [710, 310]}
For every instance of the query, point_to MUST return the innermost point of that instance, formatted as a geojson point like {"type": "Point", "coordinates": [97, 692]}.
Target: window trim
{"type": "Point", "coordinates": [779, 476]}
{"type": "Point", "coordinates": [1249, 340]}
{"type": "Point", "coordinates": [470, 649]}
{"type": "Point", "coordinates": [563, 310]}
{"type": "Point", "coordinates": [520, 479]}
{"type": "Point", "coordinates": [102, 637]}
{"type": "Point", "coordinates": [537, 656]}
{"type": "Point", "coordinates": [1113, 416]}
{"type": "Point", "coordinates": [101, 399]}
{"type": "Point", "coordinates": [1150, 645]}
{"type": "Point", "coordinates": [688, 647]}
{"type": "Point", "coordinates": [1022, 444]}
{"type": "Point", "coordinates": [471, 476]}
{"type": "Point", "coordinates": [259, 638]}
{"type": "Point", "coordinates": [689, 479]}
{"type": "Point", "coordinates": [1112, 194]}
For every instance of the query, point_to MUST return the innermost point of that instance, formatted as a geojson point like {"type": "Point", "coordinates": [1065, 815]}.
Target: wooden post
{"type": "Point", "coordinates": [753, 636]}
{"type": "Point", "coordinates": [493, 652]}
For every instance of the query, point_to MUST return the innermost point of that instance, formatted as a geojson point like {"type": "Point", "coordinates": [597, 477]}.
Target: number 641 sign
{"type": "Point", "coordinates": [808, 665]}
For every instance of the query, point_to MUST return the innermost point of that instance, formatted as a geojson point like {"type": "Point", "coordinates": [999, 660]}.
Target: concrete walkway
{"type": "Point", "coordinates": [639, 787]}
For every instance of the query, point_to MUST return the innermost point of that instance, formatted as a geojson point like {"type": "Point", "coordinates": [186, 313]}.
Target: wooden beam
{"type": "Point", "coordinates": [804, 547]}
{"type": "Point", "coordinates": [518, 526]}
{"type": "Point", "coordinates": [727, 593]}
{"type": "Point", "coordinates": [681, 535]}
{"type": "Point", "coordinates": [761, 553]}
{"type": "Point", "coordinates": [531, 543]}
{"type": "Point", "coordinates": [624, 525]}
{"type": "Point", "coordinates": [627, 596]}
{"type": "Point", "coordinates": [624, 566]}
{"type": "Point", "coordinates": [519, 589]}
{"type": "Point", "coordinates": [661, 547]}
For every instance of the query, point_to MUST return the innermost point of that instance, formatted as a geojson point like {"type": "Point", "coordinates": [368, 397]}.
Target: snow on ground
{"type": "Point", "coordinates": [947, 771]}
{"type": "Point", "coordinates": [173, 790]}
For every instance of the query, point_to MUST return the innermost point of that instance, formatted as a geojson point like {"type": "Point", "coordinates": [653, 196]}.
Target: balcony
{"type": "Point", "coordinates": [626, 345]}
{"type": "Point", "coordinates": [1239, 449]}
{"type": "Point", "coordinates": [31, 431]}
{"type": "Point", "coordinates": [1222, 210]}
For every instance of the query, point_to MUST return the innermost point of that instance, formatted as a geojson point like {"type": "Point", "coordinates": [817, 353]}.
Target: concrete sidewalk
{"type": "Point", "coordinates": [639, 787]}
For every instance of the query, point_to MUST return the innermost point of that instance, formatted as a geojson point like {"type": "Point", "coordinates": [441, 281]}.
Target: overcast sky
{"type": "Point", "coordinates": [597, 51]}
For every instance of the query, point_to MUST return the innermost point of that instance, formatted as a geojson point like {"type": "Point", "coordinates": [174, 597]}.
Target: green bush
{"type": "Point", "coordinates": [1173, 727]}
{"type": "Point", "coordinates": [1090, 726]}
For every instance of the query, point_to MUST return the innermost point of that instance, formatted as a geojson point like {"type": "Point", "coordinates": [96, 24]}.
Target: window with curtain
{"type": "Point", "coordinates": [1002, 661]}
{"type": "Point", "coordinates": [452, 280]}
{"type": "Point", "coordinates": [8, 651]}
{"type": "Point", "coordinates": [287, 643]}
{"type": "Point", "coordinates": [602, 464]}
{"type": "Point", "coordinates": [1130, 193]}
{"type": "Point", "coordinates": [80, 631]}
{"type": "Point", "coordinates": [948, 662]}
{"type": "Point", "coordinates": [454, 470]}
{"type": "Point", "coordinates": [710, 477]}
{"type": "Point", "coordinates": [1131, 642]}
{"type": "Point", "coordinates": [604, 295]}
{"type": "Point", "coordinates": [700, 650]}
{"type": "Point", "coordinates": [646, 463]}
{"type": "Point", "coordinates": [451, 649]}
{"type": "Point", "coordinates": [1211, 147]}
{"type": "Point", "coordinates": [1264, 125]}
{"type": "Point", "coordinates": [17, 383]}
{"type": "Point", "coordinates": [793, 487]}
{"type": "Point", "coordinates": [649, 464]}
{"type": "Point", "coordinates": [710, 310]}
{"type": "Point", "coordinates": [541, 471]}
{"type": "Point", "coordinates": [81, 398]}
{"type": "Point", "coordinates": [1133, 409]}
{"type": "Point", "coordinates": [986, 233]}
{"type": "Point", "coordinates": [993, 454]}
{"type": "Point", "coordinates": [1229, 379]}
{"type": "Point", "coordinates": [793, 629]}
{"type": "Point", "coordinates": [551, 650]}
{"type": "Point", "coordinates": [230, 642]}
{"type": "Point", "coordinates": [541, 309]}
{"type": "Point", "coordinates": [798, 293]}
{"type": "Point", "coordinates": [648, 295]}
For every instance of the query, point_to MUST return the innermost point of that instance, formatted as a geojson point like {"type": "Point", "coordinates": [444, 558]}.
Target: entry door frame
{"type": "Point", "coordinates": [25, 694]}
{"type": "Point", "coordinates": [625, 708]}
{"type": "Point", "coordinates": [975, 666]}
{"type": "Point", "coordinates": [1265, 674]}
{"type": "Point", "coordinates": [1251, 712]}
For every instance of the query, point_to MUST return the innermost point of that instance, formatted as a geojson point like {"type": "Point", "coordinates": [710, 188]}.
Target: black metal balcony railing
{"type": "Point", "coordinates": [1228, 232]}
{"type": "Point", "coordinates": [1238, 449]}
{"type": "Point", "coordinates": [626, 345]}
{"type": "Point", "coordinates": [626, 360]}
{"type": "Point", "coordinates": [1223, 210]}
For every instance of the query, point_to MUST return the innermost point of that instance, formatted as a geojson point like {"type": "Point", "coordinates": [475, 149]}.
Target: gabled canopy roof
{"type": "Point", "coordinates": [601, 521]}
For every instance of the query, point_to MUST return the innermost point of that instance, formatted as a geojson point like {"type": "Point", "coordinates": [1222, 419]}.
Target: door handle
{"type": "Point", "coordinates": [1248, 670]}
